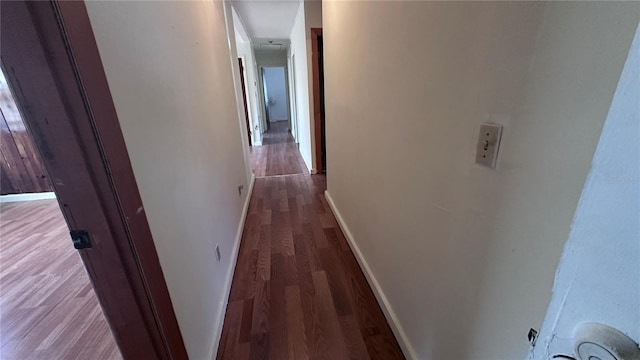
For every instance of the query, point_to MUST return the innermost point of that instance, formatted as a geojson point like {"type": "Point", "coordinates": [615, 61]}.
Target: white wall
{"type": "Point", "coordinates": [464, 255]}
{"type": "Point", "coordinates": [245, 50]}
{"type": "Point", "coordinates": [277, 91]}
{"type": "Point", "coordinates": [313, 19]}
{"type": "Point", "coordinates": [309, 15]}
{"type": "Point", "coordinates": [169, 69]}
{"type": "Point", "coordinates": [237, 84]}
{"type": "Point", "coordinates": [598, 279]}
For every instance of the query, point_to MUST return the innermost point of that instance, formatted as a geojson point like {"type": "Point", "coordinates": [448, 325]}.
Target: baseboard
{"type": "Point", "coordinates": [232, 266]}
{"type": "Point", "coordinates": [257, 143]}
{"type": "Point", "coordinates": [389, 314]}
{"type": "Point", "coordinates": [27, 197]}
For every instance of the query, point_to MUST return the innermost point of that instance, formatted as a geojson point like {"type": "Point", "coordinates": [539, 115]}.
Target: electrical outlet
{"type": "Point", "coordinates": [488, 144]}
{"type": "Point", "coordinates": [240, 188]}
{"type": "Point", "coordinates": [218, 252]}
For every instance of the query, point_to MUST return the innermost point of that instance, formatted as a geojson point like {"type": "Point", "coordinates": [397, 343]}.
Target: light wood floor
{"type": "Point", "coordinates": [297, 291]}
{"type": "Point", "coordinates": [48, 309]}
{"type": "Point", "coordinates": [279, 153]}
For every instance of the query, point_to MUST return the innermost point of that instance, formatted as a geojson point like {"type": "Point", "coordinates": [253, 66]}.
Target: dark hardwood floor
{"type": "Point", "coordinates": [279, 153]}
{"type": "Point", "coordinates": [297, 291]}
{"type": "Point", "coordinates": [48, 309]}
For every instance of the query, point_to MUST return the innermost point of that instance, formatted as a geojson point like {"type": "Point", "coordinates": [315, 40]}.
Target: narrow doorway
{"type": "Point", "coordinates": [244, 98]}
{"type": "Point", "coordinates": [48, 307]}
{"type": "Point", "coordinates": [276, 105]}
{"type": "Point", "coordinates": [294, 106]}
{"type": "Point", "coordinates": [318, 99]}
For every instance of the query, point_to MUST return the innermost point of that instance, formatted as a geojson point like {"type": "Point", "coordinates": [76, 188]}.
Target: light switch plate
{"type": "Point", "coordinates": [488, 144]}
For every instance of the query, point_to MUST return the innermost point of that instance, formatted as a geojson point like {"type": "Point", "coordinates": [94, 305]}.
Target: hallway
{"type": "Point", "coordinates": [298, 292]}
{"type": "Point", "coordinates": [279, 154]}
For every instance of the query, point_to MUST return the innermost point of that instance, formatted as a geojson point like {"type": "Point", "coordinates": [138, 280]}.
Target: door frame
{"type": "Point", "coordinates": [318, 105]}
{"type": "Point", "coordinates": [261, 68]}
{"type": "Point", "coordinates": [243, 84]}
{"type": "Point", "coordinates": [55, 72]}
{"type": "Point", "coordinates": [293, 102]}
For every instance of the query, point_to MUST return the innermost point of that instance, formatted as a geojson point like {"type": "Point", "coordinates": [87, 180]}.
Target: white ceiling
{"type": "Point", "coordinates": [267, 19]}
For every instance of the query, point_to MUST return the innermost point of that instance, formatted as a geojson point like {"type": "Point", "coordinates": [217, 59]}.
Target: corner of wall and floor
{"type": "Point", "coordinates": [217, 331]}
{"type": "Point", "coordinates": [389, 314]}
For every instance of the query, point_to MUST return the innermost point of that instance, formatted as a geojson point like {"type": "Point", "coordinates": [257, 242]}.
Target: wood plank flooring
{"type": "Point", "coordinates": [48, 309]}
{"type": "Point", "coordinates": [278, 155]}
{"type": "Point", "coordinates": [297, 291]}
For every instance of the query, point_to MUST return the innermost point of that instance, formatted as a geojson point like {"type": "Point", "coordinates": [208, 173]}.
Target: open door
{"type": "Point", "coordinates": [265, 96]}
{"type": "Point", "coordinates": [318, 99]}
{"type": "Point", "coordinates": [53, 67]}
{"type": "Point", "coordinates": [244, 99]}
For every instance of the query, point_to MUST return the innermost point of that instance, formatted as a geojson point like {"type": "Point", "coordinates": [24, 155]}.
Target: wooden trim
{"type": "Point", "coordinates": [53, 66]}
{"type": "Point", "coordinates": [263, 103]}
{"type": "Point", "coordinates": [318, 106]}
{"type": "Point", "coordinates": [244, 99]}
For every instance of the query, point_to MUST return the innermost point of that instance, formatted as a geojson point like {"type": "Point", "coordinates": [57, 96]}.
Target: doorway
{"type": "Point", "coordinates": [318, 99]}
{"type": "Point", "coordinates": [48, 306]}
{"type": "Point", "coordinates": [294, 106]}
{"type": "Point", "coordinates": [53, 67]}
{"type": "Point", "coordinates": [276, 97]}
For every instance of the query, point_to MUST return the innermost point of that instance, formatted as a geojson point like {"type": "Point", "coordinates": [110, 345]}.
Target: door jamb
{"type": "Point", "coordinates": [285, 66]}
{"type": "Point", "coordinates": [84, 126]}
{"type": "Point", "coordinates": [245, 96]}
{"type": "Point", "coordinates": [318, 106]}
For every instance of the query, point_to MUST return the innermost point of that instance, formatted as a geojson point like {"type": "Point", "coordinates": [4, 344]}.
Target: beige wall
{"type": "Point", "coordinates": [271, 57]}
{"type": "Point", "coordinates": [465, 256]}
{"type": "Point", "coordinates": [169, 69]}
{"type": "Point", "coordinates": [309, 16]}
{"type": "Point", "coordinates": [312, 19]}
{"type": "Point", "coordinates": [245, 50]}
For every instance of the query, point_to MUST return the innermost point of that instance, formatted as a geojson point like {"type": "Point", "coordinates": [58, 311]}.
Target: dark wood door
{"type": "Point", "coordinates": [52, 64]}
{"type": "Point", "coordinates": [317, 68]}
{"type": "Point", "coordinates": [244, 99]}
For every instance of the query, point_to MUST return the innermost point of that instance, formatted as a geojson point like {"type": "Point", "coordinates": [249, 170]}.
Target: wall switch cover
{"type": "Point", "coordinates": [488, 144]}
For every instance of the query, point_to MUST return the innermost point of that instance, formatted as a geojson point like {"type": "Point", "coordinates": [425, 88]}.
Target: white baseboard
{"type": "Point", "coordinates": [389, 314]}
{"type": "Point", "coordinates": [217, 332]}
{"type": "Point", "coordinates": [27, 197]}
{"type": "Point", "coordinates": [257, 143]}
